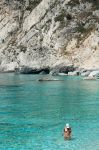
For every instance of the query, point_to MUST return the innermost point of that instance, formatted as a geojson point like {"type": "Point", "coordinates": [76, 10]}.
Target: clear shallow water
{"type": "Point", "coordinates": [33, 114]}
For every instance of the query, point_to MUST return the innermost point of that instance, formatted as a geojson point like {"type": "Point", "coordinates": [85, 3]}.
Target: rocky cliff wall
{"type": "Point", "coordinates": [45, 33]}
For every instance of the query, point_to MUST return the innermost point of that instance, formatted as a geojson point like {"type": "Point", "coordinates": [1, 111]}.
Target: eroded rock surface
{"type": "Point", "coordinates": [47, 33]}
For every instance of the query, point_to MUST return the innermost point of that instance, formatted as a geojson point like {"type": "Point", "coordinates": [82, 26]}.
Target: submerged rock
{"type": "Point", "coordinates": [90, 78]}
{"type": "Point", "coordinates": [49, 79]}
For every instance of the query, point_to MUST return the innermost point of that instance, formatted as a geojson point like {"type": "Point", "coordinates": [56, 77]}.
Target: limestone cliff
{"type": "Point", "coordinates": [40, 33]}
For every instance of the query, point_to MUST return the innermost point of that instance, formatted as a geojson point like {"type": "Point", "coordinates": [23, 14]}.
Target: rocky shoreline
{"type": "Point", "coordinates": [61, 70]}
{"type": "Point", "coordinates": [38, 70]}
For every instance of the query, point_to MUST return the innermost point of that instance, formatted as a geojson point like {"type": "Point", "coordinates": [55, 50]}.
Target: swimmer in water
{"type": "Point", "coordinates": [67, 132]}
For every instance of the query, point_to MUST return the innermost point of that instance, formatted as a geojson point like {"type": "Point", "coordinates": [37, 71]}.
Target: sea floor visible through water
{"type": "Point", "coordinates": [33, 114]}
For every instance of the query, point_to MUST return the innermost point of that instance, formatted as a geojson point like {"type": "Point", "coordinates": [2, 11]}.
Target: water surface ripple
{"type": "Point", "coordinates": [33, 114]}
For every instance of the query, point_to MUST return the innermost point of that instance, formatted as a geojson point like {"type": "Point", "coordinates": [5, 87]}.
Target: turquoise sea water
{"type": "Point", "coordinates": [33, 114]}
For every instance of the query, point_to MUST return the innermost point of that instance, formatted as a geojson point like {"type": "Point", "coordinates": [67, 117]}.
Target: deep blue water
{"type": "Point", "coordinates": [33, 114]}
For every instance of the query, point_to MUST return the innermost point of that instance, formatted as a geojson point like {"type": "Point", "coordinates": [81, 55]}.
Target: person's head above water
{"type": "Point", "coordinates": [67, 125]}
{"type": "Point", "coordinates": [67, 132]}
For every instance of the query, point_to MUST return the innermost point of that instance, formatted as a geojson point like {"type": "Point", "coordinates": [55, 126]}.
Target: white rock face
{"type": "Point", "coordinates": [36, 15]}
{"type": "Point", "coordinates": [48, 33]}
{"type": "Point", "coordinates": [72, 73]}
{"type": "Point", "coordinates": [94, 74]}
{"type": "Point", "coordinates": [9, 67]}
